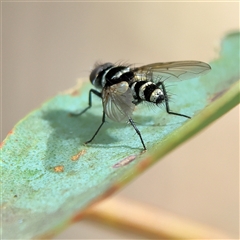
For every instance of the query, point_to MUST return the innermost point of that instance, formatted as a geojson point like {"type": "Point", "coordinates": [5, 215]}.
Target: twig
{"type": "Point", "coordinates": [149, 221]}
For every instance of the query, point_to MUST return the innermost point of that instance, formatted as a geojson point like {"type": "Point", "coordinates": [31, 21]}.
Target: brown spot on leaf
{"type": "Point", "coordinates": [144, 164]}
{"type": "Point", "coordinates": [75, 92]}
{"type": "Point", "coordinates": [1, 144]}
{"type": "Point", "coordinates": [59, 168]}
{"type": "Point", "coordinates": [11, 132]}
{"type": "Point", "coordinates": [83, 213]}
{"type": "Point", "coordinates": [78, 155]}
{"type": "Point", "coordinates": [49, 235]}
{"type": "Point", "coordinates": [78, 217]}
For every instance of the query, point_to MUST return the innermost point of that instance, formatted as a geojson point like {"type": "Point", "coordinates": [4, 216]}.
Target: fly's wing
{"type": "Point", "coordinates": [117, 102]}
{"type": "Point", "coordinates": [181, 70]}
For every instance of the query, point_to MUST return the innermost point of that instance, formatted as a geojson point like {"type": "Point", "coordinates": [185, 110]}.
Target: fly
{"type": "Point", "coordinates": [122, 87]}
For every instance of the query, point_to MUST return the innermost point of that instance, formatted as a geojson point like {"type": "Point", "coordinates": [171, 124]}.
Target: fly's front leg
{"type": "Point", "coordinates": [103, 121]}
{"type": "Point", "coordinates": [89, 102]}
{"type": "Point", "coordinates": [166, 102]}
{"type": "Point", "coordinates": [89, 106]}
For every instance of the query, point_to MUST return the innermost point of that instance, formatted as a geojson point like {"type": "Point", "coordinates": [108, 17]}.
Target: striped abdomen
{"type": "Point", "coordinates": [147, 91]}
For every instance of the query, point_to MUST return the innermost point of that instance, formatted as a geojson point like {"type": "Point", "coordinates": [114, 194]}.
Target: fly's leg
{"type": "Point", "coordinates": [89, 106]}
{"type": "Point", "coordinates": [138, 132]}
{"type": "Point", "coordinates": [166, 102]}
{"type": "Point", "coordinates": [103, 121]}
{"type": "Point", "coordinates": [89, 102]}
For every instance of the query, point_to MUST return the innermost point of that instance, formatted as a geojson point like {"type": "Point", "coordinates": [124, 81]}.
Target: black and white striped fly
{"type": "Point", "coordinates": [121, 87]}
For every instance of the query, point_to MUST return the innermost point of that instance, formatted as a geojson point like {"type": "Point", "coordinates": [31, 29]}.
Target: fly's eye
{"type": "Point", "coordinates": [98, 69]}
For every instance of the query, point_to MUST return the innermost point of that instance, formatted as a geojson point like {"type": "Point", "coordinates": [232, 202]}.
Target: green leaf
{"type": "Point", "coordinates": [49, 175]}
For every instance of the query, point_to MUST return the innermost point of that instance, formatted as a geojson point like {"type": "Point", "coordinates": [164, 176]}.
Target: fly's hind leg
{"type": "Point", "coordinates": [167, 103]}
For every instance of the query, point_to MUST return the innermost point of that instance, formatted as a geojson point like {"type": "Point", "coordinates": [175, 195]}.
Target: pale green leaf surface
{"type": "Point", "coordinates": [38, 201]}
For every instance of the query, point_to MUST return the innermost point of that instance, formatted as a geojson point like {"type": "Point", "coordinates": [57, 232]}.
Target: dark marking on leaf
{"type": "Point", "coordinates": [217, 95]}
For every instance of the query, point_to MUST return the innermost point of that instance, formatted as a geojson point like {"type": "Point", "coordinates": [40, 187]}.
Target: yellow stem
{"type": "Point", "coordinates": [149, 221]}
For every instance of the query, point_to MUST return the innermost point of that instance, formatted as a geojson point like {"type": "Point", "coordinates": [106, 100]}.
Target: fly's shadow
{"type": "Point", "coordinates": [68, 134]}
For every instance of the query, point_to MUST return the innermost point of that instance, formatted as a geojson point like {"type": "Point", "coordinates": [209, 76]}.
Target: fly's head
{"type": "Point", "coordinates": [96, 76]}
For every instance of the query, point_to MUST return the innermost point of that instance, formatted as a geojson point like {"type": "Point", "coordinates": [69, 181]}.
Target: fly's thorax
{"type": "Point", "coordinates": [121, 72]}
{"type": "Point", "coordinates": [117, 74]}
{"type": "Point", "coordinates": [97, 75]}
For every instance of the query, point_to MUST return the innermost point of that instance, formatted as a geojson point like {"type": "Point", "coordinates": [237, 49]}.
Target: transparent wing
{"type": "Point", "coordinates": [117, 102]}
{"type": "Point", "coordinates": [181, 70]}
